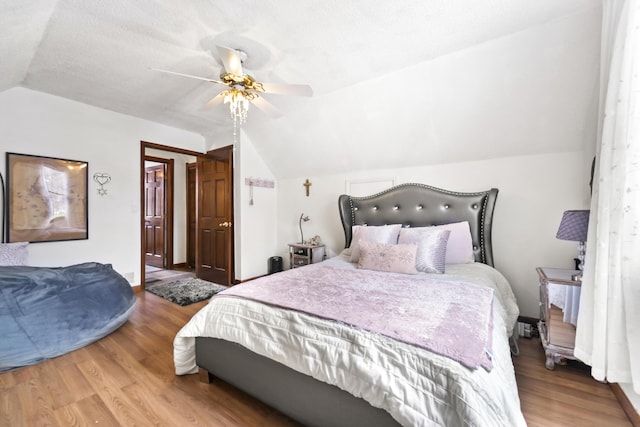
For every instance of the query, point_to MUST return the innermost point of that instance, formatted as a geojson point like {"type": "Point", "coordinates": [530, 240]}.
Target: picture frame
{"type": "Point", "coordinates": [47, 199]}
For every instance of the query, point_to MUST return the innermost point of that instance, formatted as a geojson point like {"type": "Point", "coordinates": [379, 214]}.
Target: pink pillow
{"type": "Point", "coordinates": [460, 244]}
{"type": "Point", "coordinates": [378, 234]}
{"type": "Point", "coordinates": [388, 258]}
{"type": "Point", "coordinates": [432, 247]}
{"type": "Point", "coordinates": [14, 253]}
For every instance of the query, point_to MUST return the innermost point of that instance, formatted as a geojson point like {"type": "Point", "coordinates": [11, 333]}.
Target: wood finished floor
{"type": "Point", "coordinates": [127, 379]}
{"type": "Point", "coordinates": [162, 276]}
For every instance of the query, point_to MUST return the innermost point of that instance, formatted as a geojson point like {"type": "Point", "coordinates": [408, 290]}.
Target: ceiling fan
{"type": "Point", "coordinates": [243, 89]}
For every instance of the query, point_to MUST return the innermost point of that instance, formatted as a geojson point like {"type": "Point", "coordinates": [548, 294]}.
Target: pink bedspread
{"type": "Point", "coordinates": [450, 318]}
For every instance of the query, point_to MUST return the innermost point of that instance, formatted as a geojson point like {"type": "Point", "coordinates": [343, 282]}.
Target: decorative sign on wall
{"type": "Point", "coordinates": [47, 199]}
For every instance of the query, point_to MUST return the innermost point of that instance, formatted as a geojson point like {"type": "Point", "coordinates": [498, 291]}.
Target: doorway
{"type": "Point", "coordinates": [158, 213]}
{"type": "Point", "coordinates": [185, 208]}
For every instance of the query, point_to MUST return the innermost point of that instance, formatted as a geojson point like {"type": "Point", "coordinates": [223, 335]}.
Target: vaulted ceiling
{"type": "Point", "coordinates": [395, 84]}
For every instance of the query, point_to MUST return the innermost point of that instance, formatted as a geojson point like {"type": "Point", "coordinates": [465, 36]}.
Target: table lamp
{"type": "Point", "coordinates": [574, 226]}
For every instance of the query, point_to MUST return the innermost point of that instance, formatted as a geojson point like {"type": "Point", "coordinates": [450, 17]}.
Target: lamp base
{"type": "Point", "coordinates": [581, 254]}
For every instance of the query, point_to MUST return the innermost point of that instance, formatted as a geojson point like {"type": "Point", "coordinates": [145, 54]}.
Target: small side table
{"type": "Point", "coordinates": [558, 337]}
{"type": "Point", "coordinates": [301, 254]}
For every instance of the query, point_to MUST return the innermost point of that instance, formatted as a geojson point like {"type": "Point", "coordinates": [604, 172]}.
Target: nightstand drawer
{"type": "Point", "coordinates": [300, 251]}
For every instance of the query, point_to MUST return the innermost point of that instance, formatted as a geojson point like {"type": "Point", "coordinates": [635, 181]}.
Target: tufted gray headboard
{"type": "Point", "coordinates": [419, 205]}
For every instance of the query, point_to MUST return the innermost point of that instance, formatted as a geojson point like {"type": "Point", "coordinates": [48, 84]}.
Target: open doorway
{"type": "Point", "coordinates": [211, 187]}
{"type": "Point", "coordinates": [158, 208]}
{"type": "Point", "coordinates": [164, 210]}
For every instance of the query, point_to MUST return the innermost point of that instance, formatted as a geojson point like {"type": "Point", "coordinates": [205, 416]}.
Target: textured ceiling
{"type": "Point", "coordinates": [100, 52]}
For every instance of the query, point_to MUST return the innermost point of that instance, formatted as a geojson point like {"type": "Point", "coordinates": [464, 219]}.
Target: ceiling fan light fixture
{"type": "Point", "coordinates": [243, 88]}
{"type": "Point", "coordinates": [238, 101]}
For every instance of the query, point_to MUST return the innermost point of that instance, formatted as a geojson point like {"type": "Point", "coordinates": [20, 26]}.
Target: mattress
{"type": "Point", "coordinates": [415, 385]}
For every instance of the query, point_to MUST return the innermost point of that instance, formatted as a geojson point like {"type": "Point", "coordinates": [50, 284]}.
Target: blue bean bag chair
{"type": "Point", "coordinates": [46, 312]}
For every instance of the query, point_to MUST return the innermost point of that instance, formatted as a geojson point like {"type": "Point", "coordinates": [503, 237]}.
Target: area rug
{"type": "Point", "coordinates": [186, 291]}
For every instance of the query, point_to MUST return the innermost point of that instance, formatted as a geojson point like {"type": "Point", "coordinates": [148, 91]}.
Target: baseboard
{"type": "Point", "coordinates": [237, 282]}
{"type": "Point", "coordinates": [180, 265]}
{"type": "Point", "coordinates": [627, 406]}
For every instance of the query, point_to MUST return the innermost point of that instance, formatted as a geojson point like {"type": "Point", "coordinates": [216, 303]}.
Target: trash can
{"type": "Point", "coordinates": [275, 264]}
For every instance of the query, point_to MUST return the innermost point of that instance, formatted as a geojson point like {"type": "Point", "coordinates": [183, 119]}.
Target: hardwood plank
{"type": "Point", "coordinates": [93, 411]}
{"type": "Point", "coordinates": [566, 396]}
{"type": "Point", "coordinates": [35, 403]}
{"type": "Point", "coordinates": [148, 404]}
{"type": "Point", "coordinates": [77, 385]}
{"type": "Point", "coordinates": [53, 384]}
{"type": "Point", "coordinates": [128, 378]}
{"type": "Point", "coordinates": [11, 412]}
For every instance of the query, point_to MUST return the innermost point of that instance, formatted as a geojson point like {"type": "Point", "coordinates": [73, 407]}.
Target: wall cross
{"type": "Point", "coordinates": [307, 184]}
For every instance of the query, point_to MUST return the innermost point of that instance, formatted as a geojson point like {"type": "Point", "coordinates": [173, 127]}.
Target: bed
{"type": "Point", "coordinates": [323, 371]}
{"type": "Point", "coordinates": [49, 311]}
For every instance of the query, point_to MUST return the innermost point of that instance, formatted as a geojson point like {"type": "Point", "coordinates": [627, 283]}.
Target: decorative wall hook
{"type": "Point", "coordinates": [257, 182]}
{"type": "Point", "coordinates": [102, 179]}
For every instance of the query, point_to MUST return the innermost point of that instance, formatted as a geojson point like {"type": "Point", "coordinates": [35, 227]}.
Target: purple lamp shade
{"type": "Point", "coordinates": [574, 226]}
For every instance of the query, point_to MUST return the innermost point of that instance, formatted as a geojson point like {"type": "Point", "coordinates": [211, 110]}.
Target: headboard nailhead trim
{"type": "Point", "coordinates": [484, 194]}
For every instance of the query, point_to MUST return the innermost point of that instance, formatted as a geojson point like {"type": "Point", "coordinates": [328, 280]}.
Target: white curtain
{"type": "Point", "coordinates": [608, 330]}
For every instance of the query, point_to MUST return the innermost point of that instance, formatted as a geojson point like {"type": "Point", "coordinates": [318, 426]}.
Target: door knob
{"type": "Point", "coordinates": [225, 224]}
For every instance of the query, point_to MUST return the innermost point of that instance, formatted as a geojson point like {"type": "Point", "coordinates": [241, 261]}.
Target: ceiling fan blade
{"type": "Point", "coordinates": [189, 75]}
{"type": "Point", "coordinates": [267, 107]}
{"type": "Point", "coordinates": [216, 100]}
{"type": "Point", "coordinates": [231, 60]}
{"type": "Point", "coordinates": [287, 89]}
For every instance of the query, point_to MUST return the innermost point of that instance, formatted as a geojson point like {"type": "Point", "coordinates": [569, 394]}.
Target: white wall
{"type": "Point", "coordinates": [534, 192]}
{"type": "Point", "coordinates": [41, 124]}
{"type": "Point", "coordinates": [531, 92]}
{"type": "Point", "coordinates": [256, 239]}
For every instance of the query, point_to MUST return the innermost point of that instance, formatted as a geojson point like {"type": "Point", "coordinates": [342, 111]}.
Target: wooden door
{"type": "Point", "coordinates": [214, 221]}
{"type": "Point", "coordinates": [191, 215]}
{"type": "Point", "coordinates": [154, 216]}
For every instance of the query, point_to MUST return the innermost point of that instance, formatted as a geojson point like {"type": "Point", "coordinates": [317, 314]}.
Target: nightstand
{"type": "Point", "coordinates": [301, 254]}
{"type": "Point", "coordinates": [559, 304]}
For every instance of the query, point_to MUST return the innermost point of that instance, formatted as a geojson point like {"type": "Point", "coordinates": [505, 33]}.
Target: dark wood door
{"type": "Point", "coordinates": [214, 221]}
{"type": "Point", "coordinates": [154, 216]}
{"type": "Point", "coordinates": [191, 215]}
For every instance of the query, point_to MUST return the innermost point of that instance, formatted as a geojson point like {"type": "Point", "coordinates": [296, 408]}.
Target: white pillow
{"type": "Point", "coordinates": [14, 253]}
{"type": "Point", "coordinates": [460, 244]}
{"type": "Point", "coordinates": [387, 234]}
{"type": "Point", "coordinates": [432, 247]}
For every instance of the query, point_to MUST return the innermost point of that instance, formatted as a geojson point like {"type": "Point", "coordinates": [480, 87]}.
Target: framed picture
{"type": "Point", "coordinates": [47, 199]}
